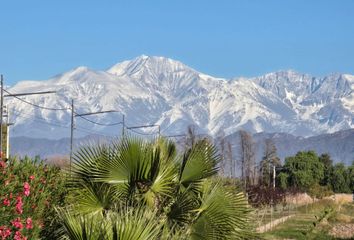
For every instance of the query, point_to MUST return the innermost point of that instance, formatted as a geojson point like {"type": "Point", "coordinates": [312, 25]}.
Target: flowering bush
{"type": "Point", "coordinates": [28, 191]}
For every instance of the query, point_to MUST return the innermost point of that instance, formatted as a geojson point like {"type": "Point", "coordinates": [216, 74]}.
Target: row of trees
{"type": "Point", "coordinates": [305, 171]}
{"type": "Point", "coordinates": [312, 173]}
{"type": "Point", "coordinates": [250, 172]}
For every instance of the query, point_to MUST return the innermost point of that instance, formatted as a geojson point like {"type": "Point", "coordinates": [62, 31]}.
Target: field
{"type": "Point", "coordinates": [324, 219]}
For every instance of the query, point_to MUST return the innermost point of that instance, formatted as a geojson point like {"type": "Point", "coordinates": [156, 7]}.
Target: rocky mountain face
{"type": "Point", "coordinates": [165, 92]}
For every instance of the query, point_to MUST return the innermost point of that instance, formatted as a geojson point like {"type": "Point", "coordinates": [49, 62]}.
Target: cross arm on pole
{"type": "Point", "coordinates": [26, 94]}
{"type": "Point", "coordinates": [143, 126]}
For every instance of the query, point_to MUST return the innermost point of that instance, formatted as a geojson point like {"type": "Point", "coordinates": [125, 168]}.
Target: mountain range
{"type": "Point", "coordinates": [340, 145]}
{"type": "Point", "coordinates": [160, 91]}
{"type": "Point", "coordinates": [297, 111]}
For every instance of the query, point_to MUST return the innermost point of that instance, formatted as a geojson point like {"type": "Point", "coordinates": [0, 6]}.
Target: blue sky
{"type": "Point", "coordinates": [224, 38]}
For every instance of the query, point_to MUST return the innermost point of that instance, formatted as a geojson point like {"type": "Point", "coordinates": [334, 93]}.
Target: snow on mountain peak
{"type": "Point", "coordinates": [155, 64]}
{"type": "Point", "coordinates": [159, 90]}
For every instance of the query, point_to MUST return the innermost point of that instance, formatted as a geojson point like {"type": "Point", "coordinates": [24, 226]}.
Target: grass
{"type": "Point", "coordinates": [264, 215]}
{"type": "Point", "coordinates": [324, 214]}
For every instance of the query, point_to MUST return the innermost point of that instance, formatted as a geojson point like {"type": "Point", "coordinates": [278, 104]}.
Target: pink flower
{"type": "Point", "coordinates": [4, 232]}
{"type": "Point", "coordinates": [29, 224]}
{"type": "Point", "coordinates": [19, 204]}
{"type": "Point", "coordinates": [26, 189]}
{"type": "Point", "coordinates": [18, 236]}
{"type": "Point", "coordinates": [2, 164]}
{"type": "Point", "coordinates": [31, 177]}
{"type": "Point", "coordinates": [6, 202]}
{"type": "Point", "coordinates": [17, 223]}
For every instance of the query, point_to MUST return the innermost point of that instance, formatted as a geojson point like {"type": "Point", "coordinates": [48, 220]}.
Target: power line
{"type": "Point", "coordinates": [176, 136]}
{"type": "Point", "coordinates": [34, 116]}
{"type": "Point", "coordinates": [41, 120]}
{"type": "Point", "coordinates": [144, 134]}
{"type": "Point", "coordinates": [100, 124]}
{"type": "Point", "coordinates": [84, 118]}
{"type": "Point", "coordinates": [85, 130]}
{"type": "Point", "coordinates": [38, 106]}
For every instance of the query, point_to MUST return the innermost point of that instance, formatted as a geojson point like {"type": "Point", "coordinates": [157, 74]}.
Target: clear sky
{"type": "Point", "coordinates": [224, 38]}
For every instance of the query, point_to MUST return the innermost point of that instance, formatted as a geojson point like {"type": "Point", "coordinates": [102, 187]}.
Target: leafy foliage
{"type": "Point", "coordinates": [340, 178]}
{"type": "Point", "coordinates": [316, 175]}
{"type": "Point", "coordinates": [29, 190]}
{"type": "Point", "coordinates": [135, 189]}
{"type": "Point", "coordinates": [304, 169]}
{"type": "Point", "coordinates": [260, 195]}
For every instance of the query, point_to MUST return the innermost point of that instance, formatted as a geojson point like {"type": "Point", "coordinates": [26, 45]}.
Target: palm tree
{"type": "Point", "coordinates": [138, 189]}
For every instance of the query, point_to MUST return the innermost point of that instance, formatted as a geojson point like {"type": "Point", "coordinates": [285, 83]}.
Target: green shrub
{"type": "Point", "coordinates": [29, 190]}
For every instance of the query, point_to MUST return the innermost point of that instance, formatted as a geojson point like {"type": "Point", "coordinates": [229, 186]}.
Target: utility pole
{"type": "Point", "coordinates": [71, 132]}
{"type": "Point", "coordinates": [1, 112]}
{"type": "Point", "coordinates": [273, 176]}
{"type": "Point", "coordinates": [5, 145]}
{"type": "Point", "coordinates": [73, 115]}
{"type": "Point", "coordinates": [123, 126]}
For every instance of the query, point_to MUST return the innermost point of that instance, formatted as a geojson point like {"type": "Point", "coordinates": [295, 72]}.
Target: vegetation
{"type": "Point", "coordinates": [269, 160]}
{"type": "Point", "coordinates": [135, 189]}
{"type": "Point", "coordinates": [316, 175]}
{"type": "Point", "coordinates": [314, 221]}
{"type": "Point", "coordinates": [29, 190]}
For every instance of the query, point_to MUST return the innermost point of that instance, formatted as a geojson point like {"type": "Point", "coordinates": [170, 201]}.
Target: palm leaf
{"type": "Point", "coordinates": [81, 227]}
{"type": "Point", "coordinates": [221, 214]}
{"type": "Point", "coordinates": [198, 163]}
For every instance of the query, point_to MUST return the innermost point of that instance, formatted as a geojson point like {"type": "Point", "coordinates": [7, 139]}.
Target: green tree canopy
{"type": "Point", "coordinates": [340, 178]}
{"type": "Point", "coordinates": [304, 169]}
{"type": "Point", "coordinates": [328, 168]}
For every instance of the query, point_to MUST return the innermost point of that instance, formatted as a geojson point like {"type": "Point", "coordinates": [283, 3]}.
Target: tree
{"type": "Point", "coordinates": [351, 177]}
{"type": "Point", "coordinates": [283, 180]}
{"type": "Point", "coordinates": [328, 168]}
{"type": "Point", "coordinates": [340, 179]}
{"type": "Point", "coordinates": [228, 165]}
{"type": "Point", "coordinates": [269, 160]}
{"type": "Point", "coordinates": [136, 189]}
{"type": "Point", "coordinates": [304, 170]}
{"type": "Point", "coordinates": [247, 155]}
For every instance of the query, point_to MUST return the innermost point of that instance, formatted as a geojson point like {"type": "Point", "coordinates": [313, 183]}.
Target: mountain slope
{"type": "Point", "coordinates": [158, 90]}
{"type": "Point", "coordinates": [339, 145]}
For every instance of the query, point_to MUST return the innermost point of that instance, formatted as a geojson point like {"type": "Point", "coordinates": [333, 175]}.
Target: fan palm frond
{"type": "Point", "coordinates": [221, 215]}
{"type": "Point", "coordinates": [93, 198]}
{"type": "Point", "coordinates": [82, 227]}
{"type": "Point", "coordinates": [198, 163]}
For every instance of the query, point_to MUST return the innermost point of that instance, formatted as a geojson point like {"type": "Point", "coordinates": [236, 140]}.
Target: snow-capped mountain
{"type": "Point", "coordinates": [165, 92]}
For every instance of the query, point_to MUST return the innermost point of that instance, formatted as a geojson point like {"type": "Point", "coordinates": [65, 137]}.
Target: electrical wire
{"type": "Point", "coordinates": [38, 106]}
{"type": "Point", "coordinates": [143, 134]}
{"type": "Point", "coordinates": [85, 130]}
{"type": "Point", "coordinates": [82, 117]}
{"type": "Point", "coordinates": [34, 116]}
{"type": "Point", "coordinates": [41, 120]}
{"type": "Point", "coordinates": [100, 124]}
{"type": "Point", "coordinates": [63, 109]}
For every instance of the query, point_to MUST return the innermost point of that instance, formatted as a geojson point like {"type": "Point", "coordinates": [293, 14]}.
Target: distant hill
{"type": "Point", "coordinates": [339, 145]}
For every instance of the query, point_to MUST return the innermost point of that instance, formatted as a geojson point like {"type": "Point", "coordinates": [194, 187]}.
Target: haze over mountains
{"type": "Point", "coordinates": [162, 91]}
{"type": "Point", "coordinates": [293, 109]}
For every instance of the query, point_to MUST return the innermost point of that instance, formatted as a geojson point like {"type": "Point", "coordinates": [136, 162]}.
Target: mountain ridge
{"type": "Point", "coordinates": [340, 145]}
{"type": "Point", "coordinates": [159, 90]}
